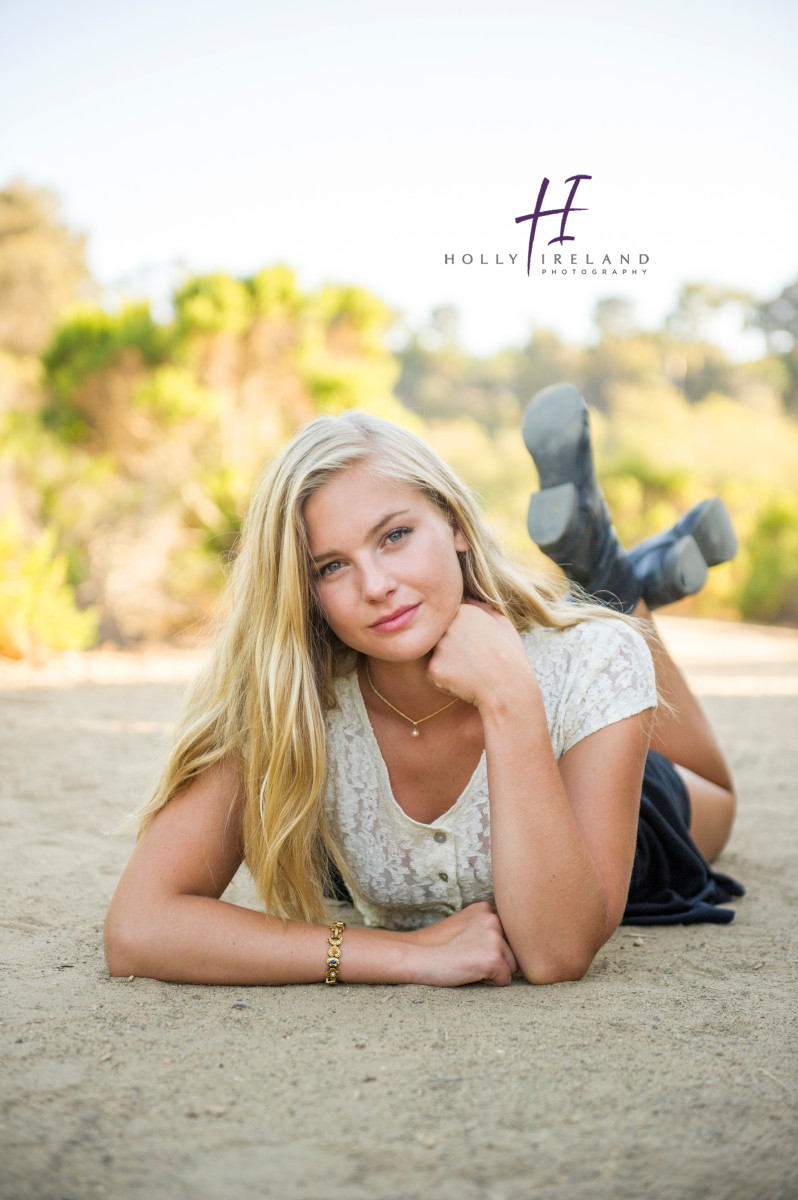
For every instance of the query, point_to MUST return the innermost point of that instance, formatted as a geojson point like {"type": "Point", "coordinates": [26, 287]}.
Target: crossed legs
{"type": "Point", "coordinates": [685, 736]}
{"type": "Point", "coordinates": [569, 520]}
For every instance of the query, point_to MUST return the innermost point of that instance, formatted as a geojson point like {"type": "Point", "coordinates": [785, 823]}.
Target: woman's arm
{"type": "Point", "coordinates": [562, 835]}
{"type": "Point", "coordinates": [166, 920]}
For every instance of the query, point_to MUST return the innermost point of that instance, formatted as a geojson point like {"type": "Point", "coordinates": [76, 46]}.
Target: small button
{"type": "Point", "coordinates": [442, 875]}
{"type": "Point", "coordinates": [440, 836]}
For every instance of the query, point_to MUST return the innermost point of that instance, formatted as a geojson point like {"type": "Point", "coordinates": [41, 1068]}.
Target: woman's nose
{"type": "Point", "coordinates": [377, 582]}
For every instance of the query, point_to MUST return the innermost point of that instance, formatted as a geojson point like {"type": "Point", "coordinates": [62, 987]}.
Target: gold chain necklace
{"type": "Point", "coordinates": [415, 724]}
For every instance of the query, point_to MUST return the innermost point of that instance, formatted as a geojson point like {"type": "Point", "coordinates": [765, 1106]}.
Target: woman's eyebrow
{"type": "Point", "coordinates": [374, 529]}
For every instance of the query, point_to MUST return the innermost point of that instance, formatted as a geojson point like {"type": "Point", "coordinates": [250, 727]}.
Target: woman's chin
{"type": "Point", "coordinates": [400, 650]}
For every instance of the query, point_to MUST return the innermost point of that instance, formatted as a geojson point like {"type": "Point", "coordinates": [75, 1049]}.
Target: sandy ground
{"type": "Point", "coordinates": [667, 1073]}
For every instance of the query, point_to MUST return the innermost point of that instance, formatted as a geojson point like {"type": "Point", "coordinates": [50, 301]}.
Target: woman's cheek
{"type": "Point", "coordinates": [339, 614]}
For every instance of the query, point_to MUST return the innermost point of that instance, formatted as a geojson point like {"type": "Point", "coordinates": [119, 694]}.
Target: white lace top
{"type": "Point", "coordinates": [409, 874]}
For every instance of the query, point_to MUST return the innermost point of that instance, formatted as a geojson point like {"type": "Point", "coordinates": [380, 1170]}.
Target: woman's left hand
{"type": "Point", "coordinates": [479, 653]}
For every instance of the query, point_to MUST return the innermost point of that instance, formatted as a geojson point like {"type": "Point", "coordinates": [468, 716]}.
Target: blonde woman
{"type": "Point", "coordinates": [394, 708]}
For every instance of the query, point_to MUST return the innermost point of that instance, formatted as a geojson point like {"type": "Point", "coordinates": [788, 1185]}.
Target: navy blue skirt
{"type": "Point", "coordinates": [672, 883]}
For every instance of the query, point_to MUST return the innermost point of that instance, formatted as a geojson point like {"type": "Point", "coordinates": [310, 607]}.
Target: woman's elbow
{"type": "Point", "coordinates": [556, 973]}
{"type": "Point", "coordinates": [122, 943]}
{"type": "Point", "coordinates": [557, 968]}
{"type": "Point", "coordinates": [566, 964]}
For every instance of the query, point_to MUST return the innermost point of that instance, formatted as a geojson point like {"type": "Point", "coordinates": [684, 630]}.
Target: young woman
{"type": "Point", "coordinates": [393, 705]}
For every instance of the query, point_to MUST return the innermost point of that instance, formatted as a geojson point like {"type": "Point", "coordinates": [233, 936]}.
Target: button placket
{"type": "Point", "coordinates": [442, 838]}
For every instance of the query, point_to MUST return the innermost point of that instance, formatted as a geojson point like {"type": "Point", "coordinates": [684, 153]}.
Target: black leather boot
{"type": "Point", "coordinates": [568, 518]}
{"type": "Point", "coordinates": [570, 521]}
{"type": "Point", "coordinates": [673, 564]}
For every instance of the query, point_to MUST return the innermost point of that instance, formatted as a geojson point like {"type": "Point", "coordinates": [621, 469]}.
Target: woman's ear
{"type": "Point", "coordinates": [460, 543]}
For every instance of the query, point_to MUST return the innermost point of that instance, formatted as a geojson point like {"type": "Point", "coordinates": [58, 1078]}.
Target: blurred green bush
{"type": "Point", "coordinates": [37, 604]}
{"type": "Point", "coordinates": [129, 450]}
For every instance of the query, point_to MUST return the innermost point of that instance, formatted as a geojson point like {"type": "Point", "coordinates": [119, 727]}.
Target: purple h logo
{"type": "Point", "coordinates": [552, 212]}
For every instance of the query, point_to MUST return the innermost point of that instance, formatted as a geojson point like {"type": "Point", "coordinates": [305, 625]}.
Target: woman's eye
{"type": "Point", "coordinates": [329, 568]}
{"type": "Point", "coordinates": [396, 535]}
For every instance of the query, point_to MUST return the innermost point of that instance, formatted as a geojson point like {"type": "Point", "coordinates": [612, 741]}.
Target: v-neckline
{"type": "Point", "coordinates": [365, 720]}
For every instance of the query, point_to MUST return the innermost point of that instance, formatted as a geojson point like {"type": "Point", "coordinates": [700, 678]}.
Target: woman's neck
{"type": "Point", "coordinates": [406, 685]}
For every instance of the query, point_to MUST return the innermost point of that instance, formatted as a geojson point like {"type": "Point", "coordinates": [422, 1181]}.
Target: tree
{"type": "Point", "coordinates": [779, 315]}
{"type": "Point", "coordinates": [697, 303]}
{"type": "Point", "coordinates": [42, 267]}
{"type": "Point", "coordinates": [614, 316]}
{"type": "Point", "coordinates": [778, 319]}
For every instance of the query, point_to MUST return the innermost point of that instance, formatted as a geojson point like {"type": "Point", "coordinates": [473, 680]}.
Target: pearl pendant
{"type": "Point", "coordinates": [414, 733]}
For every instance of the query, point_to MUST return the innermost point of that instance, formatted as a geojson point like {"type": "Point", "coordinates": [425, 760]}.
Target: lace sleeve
{"type": "Point", "coordinates": [614, 679]}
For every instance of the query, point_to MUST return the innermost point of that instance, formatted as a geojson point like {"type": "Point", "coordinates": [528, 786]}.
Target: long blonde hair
{"type": "Point", "coordinates": [260, 700]}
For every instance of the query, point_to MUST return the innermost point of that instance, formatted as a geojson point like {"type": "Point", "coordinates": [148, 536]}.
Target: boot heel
{"type": "Point", "coordinates": [568, 517]}
{"type": "Point", "coordinates": [673, 564]}
{"type": "Point", "coordinates": [714, 533]}
{"type": "Point", "coordinates": [682, 572]}
{"type": "Point", "coordinates": [553, 515]}
{"type": "Point", "coordinates": [555, 432]}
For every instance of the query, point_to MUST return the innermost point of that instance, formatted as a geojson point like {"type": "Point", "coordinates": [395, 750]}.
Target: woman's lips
{"type": "Point", "coordinates": [397, 621]}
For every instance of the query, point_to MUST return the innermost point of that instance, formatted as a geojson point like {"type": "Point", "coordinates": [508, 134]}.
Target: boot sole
{"type": "Point", "coordinates": [714, 533]}
{"type": "Point", "coordinates": [683, 573]}
{"type": "Point", "coordinates": [553, 427]}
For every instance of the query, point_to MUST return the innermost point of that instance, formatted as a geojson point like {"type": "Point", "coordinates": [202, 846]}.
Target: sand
{"type": "Point", "coordinates": [668, 1073]}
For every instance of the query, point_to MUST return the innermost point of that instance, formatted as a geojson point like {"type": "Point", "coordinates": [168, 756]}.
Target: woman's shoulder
{"type": "Point", "coordinates": [604, 631]}
{"type": "Point", "coordinates": [596, 640]}
{"type": "Point", "coordinates": [591, 674]}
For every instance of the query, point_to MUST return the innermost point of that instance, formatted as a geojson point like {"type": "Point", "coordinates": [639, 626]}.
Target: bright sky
{"type": "Point", "coordinates": [362, 142]}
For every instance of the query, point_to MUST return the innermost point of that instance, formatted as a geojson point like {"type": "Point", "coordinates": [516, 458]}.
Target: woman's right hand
{"type": "Point", "coordinates": [467, 947]}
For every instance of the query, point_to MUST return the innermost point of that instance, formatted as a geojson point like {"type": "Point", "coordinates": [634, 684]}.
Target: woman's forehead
{"type": "Point", "coordinates": [353, 500]}
{"type": "Point", "coordinates": [363, 480]}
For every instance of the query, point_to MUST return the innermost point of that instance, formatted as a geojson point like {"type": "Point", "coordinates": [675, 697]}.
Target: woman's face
{"type": "Point", "coordinates": [387, 574]}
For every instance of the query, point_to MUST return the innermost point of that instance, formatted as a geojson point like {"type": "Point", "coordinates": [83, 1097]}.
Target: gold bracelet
{"type": "Point", "coordinates": [334, 957]}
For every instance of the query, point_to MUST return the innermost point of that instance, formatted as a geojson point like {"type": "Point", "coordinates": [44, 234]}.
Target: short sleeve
{"type": "Point", "coordinates": [612, 677]}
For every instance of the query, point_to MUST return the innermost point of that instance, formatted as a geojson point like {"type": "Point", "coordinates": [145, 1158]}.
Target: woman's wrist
{"type": "Point", "coordinates": [378, 956]}
{"type": "Point", "coordinates": [510, 691]}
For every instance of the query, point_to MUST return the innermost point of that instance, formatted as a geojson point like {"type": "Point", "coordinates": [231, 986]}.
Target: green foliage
{"type": "Point", "coordinates": [498, 468]}
{"type": "Point", "coordinates": [228, 488]}
{"type": "Point", "coordinates": [88, 342]}
{"type": "Point", "coordinates": [71, 486]}
{"type": "Point", "coordinates": [352, 306]}
{"type": "Point", "coordinates": [658, 455]}
{"type": "Point", "coordinates": [172, 394]}
{"type": "Point", "coordinates": [90, 338]}
{"type": "Point", "coordinates": [770, 591]}
{"type": "Point", "coordinates": [136, 443]}
{"type": "Point", "coordinates": [37, 604]}
{"type": "Point", "coordinates": [214, 304]}
{"type": "Point", "coordinates": [439, 381]}
{"type": "Point", "coordinates": [337, 384]}
{"type": "Point", "coordinates": [655, 477]}
{"type": "Point", "coordinates": [275, 293]}
{"type": "Point", "coordinates": [341, 356]}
